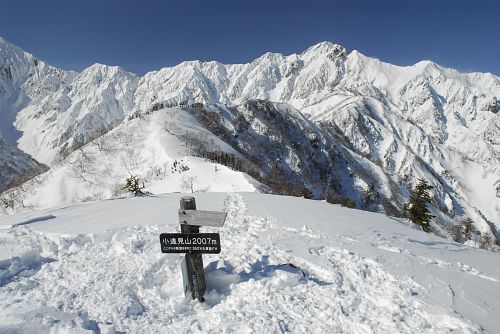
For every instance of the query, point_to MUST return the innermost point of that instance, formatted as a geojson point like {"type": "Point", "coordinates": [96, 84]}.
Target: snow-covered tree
{"type": "Point", "coordinates": [487, 241]}
{"type": "Point", "coordinates": [463, 230]}
{"type": "Point", "coordinates": [305, 193]}
{"type": "Point", "coordinates": [370, 196]}
{"type": "Point", "coordinates": [132, 185]}
{"type": "Point", "coordinates": [416, 209]}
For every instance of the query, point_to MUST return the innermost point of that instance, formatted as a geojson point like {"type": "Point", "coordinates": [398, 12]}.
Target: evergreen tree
{"type": "Point", "coordinates": [463, 230]}
{"type": "Point", "coordinates": [305, 193]}
{"type": "Point", "coordinates": [370, 196]}
{"type": "Point", "coordinates": [486, 242]}
{"type": "Point", "coordinates": [416, 209]}
{"type": "Point", "coordinates": [348, 203]}
{"type": "Point", "coordinates": [132, 185]}
{"type": "Point", "coordinates": [457, 233]}
{"type": "Point", "coordinates": [468, 228]}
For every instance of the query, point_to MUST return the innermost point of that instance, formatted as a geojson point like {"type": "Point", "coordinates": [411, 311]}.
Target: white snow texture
{"type": "Point", "coordinates": [97, 267]}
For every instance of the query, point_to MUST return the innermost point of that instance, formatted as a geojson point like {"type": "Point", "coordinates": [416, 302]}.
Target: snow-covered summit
{"type": "Point", "coordinates": [324, 48]}
{"type": "Point", "coordinates": [287, 265]}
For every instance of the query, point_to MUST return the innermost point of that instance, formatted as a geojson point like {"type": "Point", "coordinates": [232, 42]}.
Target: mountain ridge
{"type": "Point", "coordinates": [415, 121]}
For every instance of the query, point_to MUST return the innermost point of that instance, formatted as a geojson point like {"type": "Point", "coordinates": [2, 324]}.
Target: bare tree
{"type": "Point", "coordinates": [188, 183]}
{"type": "Point", "coordinates": [170, 127]}
{"type": "Point", "coordinates": [101, 143]}
{"type": "Point", "coordinates": [83, 165]}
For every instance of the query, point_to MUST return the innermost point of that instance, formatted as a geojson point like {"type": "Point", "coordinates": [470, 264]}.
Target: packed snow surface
{"type": "Point", "coordinates": [287, 265]}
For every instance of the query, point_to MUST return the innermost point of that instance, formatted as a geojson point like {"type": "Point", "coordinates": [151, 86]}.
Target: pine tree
{"type": "Point", "coordinates": [468, 227]}
{"type": "Point", "coordinates": [132, 185]}
{"type": "Point", "coordinates": [416, 209]}
{"type": "Point", "coordinates": [370, 196]}
{"type": "Point", "coordinates": [305, 193]}
{"type": "Point", "coordinates": [463, 230]}
{"type": "Point", "coordinates": [486, 242]}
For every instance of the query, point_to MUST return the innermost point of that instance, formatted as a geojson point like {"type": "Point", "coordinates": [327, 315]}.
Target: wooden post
{"type": "Point", "coordinates": [193, 273]}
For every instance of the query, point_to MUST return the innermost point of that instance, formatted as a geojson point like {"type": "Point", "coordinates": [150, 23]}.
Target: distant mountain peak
{"type": "Point", "coordinates": [326, 47]}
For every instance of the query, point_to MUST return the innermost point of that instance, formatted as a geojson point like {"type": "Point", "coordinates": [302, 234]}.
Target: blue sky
{"type": "Point", "coordinates": [147, 35]}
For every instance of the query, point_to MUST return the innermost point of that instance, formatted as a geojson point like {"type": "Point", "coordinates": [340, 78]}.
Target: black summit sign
{"type": "Point", "coordinates": [208, 243]}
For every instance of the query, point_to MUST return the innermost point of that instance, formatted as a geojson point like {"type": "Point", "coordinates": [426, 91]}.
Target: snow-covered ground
{"type": "Point", "coordinates": [97, 267]}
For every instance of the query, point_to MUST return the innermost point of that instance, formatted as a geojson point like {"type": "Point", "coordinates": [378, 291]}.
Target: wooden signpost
{"type": "Point", "coordinates": [194, 244]}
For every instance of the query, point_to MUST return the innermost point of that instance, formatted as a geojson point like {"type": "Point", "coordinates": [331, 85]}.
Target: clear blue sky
{"type": "Point", "coordinates": [146, 35]}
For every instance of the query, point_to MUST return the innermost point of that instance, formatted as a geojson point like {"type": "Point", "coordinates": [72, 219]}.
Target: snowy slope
{"type": "Point", "coordinates": [23, 78]}
{"type": "Point", "coordinates": [382, 125]}
{"type": "Point", "coordinates": [273, 144]}
{"type": "Point", "coordinates": [150, 148]}
{"type": "Point", "coordinates": [96, 101]}
{"type": "Point", "coordinates": [97, 267]}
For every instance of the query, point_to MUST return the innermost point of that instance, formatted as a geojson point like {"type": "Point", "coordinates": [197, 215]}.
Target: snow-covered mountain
{"type": "Point", "coordinates": [335, 122]}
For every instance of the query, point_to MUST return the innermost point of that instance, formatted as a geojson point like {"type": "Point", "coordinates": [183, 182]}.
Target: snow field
{"type": "Point", "coordinates": [119, 281]}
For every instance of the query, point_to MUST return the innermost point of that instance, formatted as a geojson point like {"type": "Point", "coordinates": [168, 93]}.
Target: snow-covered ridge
{"type": "Point", "coordinates": [391, 122]}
